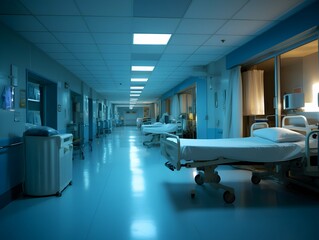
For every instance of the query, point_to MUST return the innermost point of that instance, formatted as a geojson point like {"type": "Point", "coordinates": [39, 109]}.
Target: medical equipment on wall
{"type": "Point", "coordinates": [7, 98]}
{"type": "Point", "coordinates": [293, 101]}
{"type": "Point", "coordinates": [283, 152]}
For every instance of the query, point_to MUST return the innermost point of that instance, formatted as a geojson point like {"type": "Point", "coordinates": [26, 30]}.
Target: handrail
{"type": "Point", "coordinates": [11, 145]}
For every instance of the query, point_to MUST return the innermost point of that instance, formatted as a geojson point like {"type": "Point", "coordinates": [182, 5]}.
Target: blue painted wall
{"type": "Point", "coordinates": [201, 101]}
{"type": "Point", "coordinates": [300, 22]}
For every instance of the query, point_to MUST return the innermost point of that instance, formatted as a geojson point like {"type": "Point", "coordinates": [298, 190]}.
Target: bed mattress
{"type": "Point", "coordinates": [164, 128]}
{"type": "Point", "coordinates": [156, 124]}
{"type": "Point", "coordinates": [251, 149]}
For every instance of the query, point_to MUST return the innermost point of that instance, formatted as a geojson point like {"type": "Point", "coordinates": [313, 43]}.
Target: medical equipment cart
{"type": "Point", "coordinates": [48, 163]}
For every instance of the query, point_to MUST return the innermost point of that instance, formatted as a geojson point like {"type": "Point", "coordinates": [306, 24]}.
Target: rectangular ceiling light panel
{"type": "Point", "coordinates": [142, 68]}
{"type": "Point", "coordinates": [136, 87]}
{"type": "Point", "coordinates": [139, 79]}
{"type": "Point", "coordinates": [151, 39]}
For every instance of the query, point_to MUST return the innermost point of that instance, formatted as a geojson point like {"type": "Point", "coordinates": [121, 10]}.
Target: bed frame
{"type": "Point", "coordinates": [287, 171]}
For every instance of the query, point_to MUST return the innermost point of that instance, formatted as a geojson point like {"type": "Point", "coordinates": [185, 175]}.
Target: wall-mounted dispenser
{"type": "Point", "coordinates": [293, 101]}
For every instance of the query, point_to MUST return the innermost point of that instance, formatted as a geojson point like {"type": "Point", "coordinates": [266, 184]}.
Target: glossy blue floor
{"type": "Point", "coordinates": [122, 190]}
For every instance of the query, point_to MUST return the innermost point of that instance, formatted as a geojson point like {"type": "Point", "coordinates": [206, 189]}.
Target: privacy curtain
{"type": "Point", "coordinates": [175, 107]}
{"type": "Point", "coordinates": [253, 93]}
{"type": "Point", "coordinates": [233, 113]}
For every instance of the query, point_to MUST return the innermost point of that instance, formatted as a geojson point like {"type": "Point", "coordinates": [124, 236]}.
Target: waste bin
{"type": "Point", "coordinates": [48, 161]}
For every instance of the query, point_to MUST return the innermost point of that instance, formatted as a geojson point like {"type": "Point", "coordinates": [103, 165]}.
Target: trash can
{"type": "Point", "coordinates": [48, 161]}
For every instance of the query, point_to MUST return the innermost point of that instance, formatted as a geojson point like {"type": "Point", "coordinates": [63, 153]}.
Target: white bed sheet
{"type": "Point", "coordinates": [156, 124]}
{"type": "Point", "coordinates": [164, 128]}
{"type": "Point", "coordinates": [250, 149]}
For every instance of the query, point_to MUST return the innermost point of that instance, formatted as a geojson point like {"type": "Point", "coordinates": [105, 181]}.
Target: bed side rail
{"type": "Point", "coordinates": [170, 149]}
{"type": "Point", "coordinates": [311, 152]}
{"type": "Point", "coordinates": [257, 125]}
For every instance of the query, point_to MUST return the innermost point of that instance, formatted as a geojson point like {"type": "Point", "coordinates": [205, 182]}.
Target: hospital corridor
{"type": "Point", "coordinates": [122, 190]}
{"type": "Point", "coordinates": [159, 119]}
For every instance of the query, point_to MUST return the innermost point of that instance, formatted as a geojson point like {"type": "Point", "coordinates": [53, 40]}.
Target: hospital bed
{"type": "Point", "coordinates": [281, 150]}
{"type": "Point", "coordinates": [156, 124]}
{"type": "Point", "coordinates": [155, 131]}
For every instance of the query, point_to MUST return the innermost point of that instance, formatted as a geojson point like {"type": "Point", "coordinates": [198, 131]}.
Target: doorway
{"type": "Point", "coordinates": [41, 104]}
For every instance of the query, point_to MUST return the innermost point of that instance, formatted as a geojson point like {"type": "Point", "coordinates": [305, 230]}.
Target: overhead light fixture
{"type": "Point", "coordinates": [135, 92]}
{"type": "Point", "coordinates": [133, 99]}
{"type": "Point", "coordinates": [151, 39]}
{"type": "Point", "coordinates": [135, 95]}
{"type": "Point", "coordinates": [143, 68]}
{"type": "Point", "coordinates": [139, 79]}
{"type": "Point", "coordinates": [137, 87]}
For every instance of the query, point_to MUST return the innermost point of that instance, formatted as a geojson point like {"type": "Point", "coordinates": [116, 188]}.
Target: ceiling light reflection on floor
{"type": "Point", "coordinates": [143, 229]}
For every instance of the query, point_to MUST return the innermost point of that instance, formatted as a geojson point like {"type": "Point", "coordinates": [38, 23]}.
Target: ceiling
{"type": "Point", "coordinates": [93, 38]}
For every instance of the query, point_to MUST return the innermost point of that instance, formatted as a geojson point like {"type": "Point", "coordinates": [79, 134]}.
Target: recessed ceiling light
{"type": "Point", "coordinates": [139, 79]}
{"type": "Point", "coordinates": [151, 39]}
{"type": "Point", "coordinates": [137, 87]}
{"type": "Point", "coordinates": [135, 95]}
{"type": "Point", "coordinates": [142, 68]}
{"type": "Point", "coordinates": [135, 91]}
{"type": "Point", "coordinates": [133, 99]}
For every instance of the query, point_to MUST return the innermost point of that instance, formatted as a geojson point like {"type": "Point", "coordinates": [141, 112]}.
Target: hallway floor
{"type": "Point", "coordinates": [122, 190]}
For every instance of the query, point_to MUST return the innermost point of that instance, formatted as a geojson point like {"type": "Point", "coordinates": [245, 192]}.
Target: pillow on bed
{"type": "Point", "coordinates": [277, 134]}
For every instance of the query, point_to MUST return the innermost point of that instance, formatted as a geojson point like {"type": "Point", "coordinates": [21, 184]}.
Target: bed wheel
{"type": "Point", "coordinates": [199, 179]}
{"type": "Point", "coordinates": [255, 179]}
{"type": "Point", "coordinates": [216, 178]}
{"type": "Point", "coordinates": [229, 197]}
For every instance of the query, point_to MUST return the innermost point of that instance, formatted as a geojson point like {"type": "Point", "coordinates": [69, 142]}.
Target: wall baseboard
{"type": "Point", "coordinates": [10, 195]}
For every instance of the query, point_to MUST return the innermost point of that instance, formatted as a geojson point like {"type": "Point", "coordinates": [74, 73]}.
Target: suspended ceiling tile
{"type": "Point", "coordinates": [114, 63]}
{"type": "Point", "coordinates": [117, 56]}
{"type": "Point", "coordinates": [266, 9]}
{"type": "Point", "coordinates": [229, 40]}
{"type": "Point", "coordinates": [162, 8]}
{"type": "Point", "coordinates": [69, 62]}
{"type": "Point", "coordinates": [88, 56]}
{"type": "Point", "coordinates": [174, 57]}
{"type": "Point", "coordinates": [105, 7]}
{"type": "Point", "coordinates": [109, 24]}
{"type": "Point", "coordinates": [210, 50]}
{"type": "Point", "coordinates": [204, 58]}
{"type": "Point", "coordinates": [39, 37]}
{"type": "Point", "coordinates": [199, 26]}
{"type": "Point", "coordinates": [148, 48]}
{"type": "Point", "coordinates": [155, 25]}
{"type": "Point", "coordinates": [180, 49]}
{"type": "Point", "coordinates": [93, 68]}
{"type": "Point", "coordinates": [78, 68]}
{"type": "Point", "coordinates": [188, 39]}
{"type": "Point", "coordinates": [243, 27]}
{"type": "Point", "coordinates": [62, 55]}
{"type": "Point", "coordinates": [217, 9]}
{"type": "Point", "coordinates": [145, 56]}
{"type": "Point", "coordinates": [108, 48]}
{"type": "Point", "coordinates": [164, 63]}
{"type": "Point", "coordinates": [82, 48]}
{"type": "Point", "coordinates": [92, 62]}
{"type": "Point", "coordinates": [63, 23]}
{"type": "Point", "coordinates": [40, 7]}
{"type": "Point", "coordinates": [143, 63]}
{"type": "Point", "coordinates": [22, 23]}
{"type": "Point", "coordinates": [113, 38]}
{"type": "Point", "coordinates": [51, 47]}
{"type": "Point", "coordinates": [74, 37]}
{"type": "Point", "coordinates": [13, 7]}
